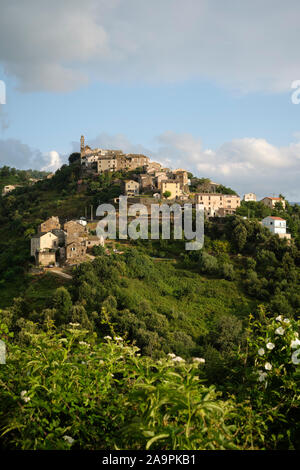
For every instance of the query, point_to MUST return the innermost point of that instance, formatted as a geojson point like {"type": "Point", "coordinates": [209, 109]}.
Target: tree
{"type": "Point", "coordinates": [74, 157]}
{"type": "Point", "coordinates": [167, 194]}
{"type": "Point", "coordinates": [62, 303]}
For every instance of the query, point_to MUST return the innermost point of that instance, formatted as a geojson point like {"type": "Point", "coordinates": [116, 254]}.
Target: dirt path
{"type": "Point", "coordinates": [59, 273]}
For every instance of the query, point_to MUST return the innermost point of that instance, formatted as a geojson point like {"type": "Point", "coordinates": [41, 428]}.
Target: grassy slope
{"type": "Point", "coordinates": [191, 302]}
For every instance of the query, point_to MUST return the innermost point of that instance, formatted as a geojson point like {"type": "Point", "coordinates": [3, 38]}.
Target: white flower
{"type": "Point", "coordinates": [268, 366]}
{"type": "Point", "coordinates": [107, 337]}
{"type": "Point", "coordinates": [270, 346]}
{"type": "Point", "coordinates": [279, 331]}
{"type": "Point", "coordinates": [178, 359]}
{"type": "Point", "coordinates": [171, 355]}
{"type": "Point", "coordinates": [199, 360]}
{"type": "Point", "coordinates": [83, 343]}
{"type": "Point", "coordinates": [69, 439]}
{"type": "Point", "coordinates": [295, 343]}
{"type": "Point", "coordinates": [261, 351]}
{"type": "Point", "coordinates": [24, 396]}
{"type": "Point", "coordinates": [295, 357]}
{"type": "Point", "coordinates": [262, 376]}
{"type": "Point", "coordinates": [74, 324]}
{"type": "Point", "coordinates": [279, 318]}
{"type": "Point", "coordinates": [286, 321]}
{"type": "Point", "coordinates": [118, 338]}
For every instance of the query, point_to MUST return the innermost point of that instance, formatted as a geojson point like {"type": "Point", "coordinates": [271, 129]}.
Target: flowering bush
{"type": "Point", "coordinates": [68, 390]}
{"type": "Point", "coordinates": [273, 374]}
{"type": "Point", "coordinates": [278, 353]}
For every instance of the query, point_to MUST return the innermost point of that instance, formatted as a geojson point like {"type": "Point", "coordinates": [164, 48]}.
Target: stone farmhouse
{"type": "Point", "coordinates": [50, 224]}
{"type": "Point", "coordinates": [54, 244]}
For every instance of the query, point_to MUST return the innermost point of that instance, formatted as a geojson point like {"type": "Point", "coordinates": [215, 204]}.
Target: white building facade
{"type": "Point", "coordinates": [275, 225]}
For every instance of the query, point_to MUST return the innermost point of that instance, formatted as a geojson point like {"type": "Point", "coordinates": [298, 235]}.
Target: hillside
{"type": "Point", "coordinates": [218, 303]}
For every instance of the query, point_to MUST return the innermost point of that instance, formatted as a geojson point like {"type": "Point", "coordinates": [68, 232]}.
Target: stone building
{"type": "Point", "coordinates": [152, 167]}
{"type": "Point", "coordinates": [45, 258]}
{"type": "Point", "coordinates": [272, 201]}
{"type": "Point", "coordinates": [93, 240]}
{"type": "Point", "coordinates": [43, 242]}
{"type": "Point", "coordinates": [218, 205]}
{"type": "Point", "coordinates": [249, 197]}
{"type": "Point", "coordinates": [7, 189]}
{"type": "Point", "coordinates": [50, 224]}
{"type": "Point", "coordinates": [171, 186]}
{"type": "Point", "coordinates": [159, 178]}
{"type": "Point", "coordinates": [131, 187]}
{"type": "Point", "coordinates": [100, 160]}
{"type": "Point", "coordinates": [75, 249]}
{"type": "Point", "coordinates": [146, 181]}
{"type": "Point", "coordinates": [74, 229]}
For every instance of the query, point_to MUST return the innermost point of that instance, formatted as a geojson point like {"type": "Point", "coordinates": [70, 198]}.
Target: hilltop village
{"type": "Point", "coordinates": [66, 242]}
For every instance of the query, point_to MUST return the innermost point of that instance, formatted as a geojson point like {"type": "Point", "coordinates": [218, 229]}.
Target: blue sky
{"type": "Point", "coordinates": [50, 120]}
{"type": "Point", "coordinates": [191, 83]}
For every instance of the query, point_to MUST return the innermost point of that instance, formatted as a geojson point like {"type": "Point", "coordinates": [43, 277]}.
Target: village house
{"type": "Point", "coordinates": [43, 241]}
{"type": "Point", "coordinates": [218, 205]}
{"type": "Point", "coordinates": [159, 178]}
{"type": "Point", "coordinates": [182, 177]}
{"type": "Point", "coordinates": [152, 167]}
{"type": "Point", "coordinates": [55, 243]}
{"type": "Point", "coordinates": [173, 187]}
{"type": "Point", "coordinates": [276, 225]}
{"type": "Point", "coordinates": [249, 197]}
{"type": "Point", "coordinates": [131, 187]}
{"type": "Point", "coordinates": [61, 235]}
{"type": "Point", "coordinates": [7, 189]}
{"type": "Point", "coordinates": [50, 224]}
{"type": "Point", "coordinates": [272, 201]}
{"type": "Point", "coordinates": [43, 248]}
{"type": "Point", "coordinates": [101, 160]}
{"type": "Point", "coordinates": [146, 181]}
{"type": "Point", "coordinates": [75, 249]}
{"type": "Point", "coordinates": [93, 240]}
{"type": "Point", "coordinates": [74, 229]}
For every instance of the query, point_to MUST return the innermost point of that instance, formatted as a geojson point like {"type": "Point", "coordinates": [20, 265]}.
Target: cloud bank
{"type": "Point", "coordinates": [58, 46]}
{"type": "Point", "coordinates": [246, 165]}
{"type": "Point", "coordinates": [15, 154]}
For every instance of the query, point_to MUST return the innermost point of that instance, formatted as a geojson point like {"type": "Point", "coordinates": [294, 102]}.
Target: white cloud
{"type": "Point", "coordinates": [16, 154]}
{"type": "Point", "coordinates": [57, 46]}
{"type": "Point", "coordinates": [53, 161]}
{"type": "Point", "coordinates": [246, 165]}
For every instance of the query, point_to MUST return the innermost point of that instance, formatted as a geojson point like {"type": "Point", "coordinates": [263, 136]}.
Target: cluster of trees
{"type": "Point", "coordinates": [69, 389]}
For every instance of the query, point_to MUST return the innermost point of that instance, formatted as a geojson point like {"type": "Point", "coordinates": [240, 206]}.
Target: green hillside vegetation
{"type": "Point", "coordinates": [223, 303]}
{"type": "Point", "coordinates": [12, 176]}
